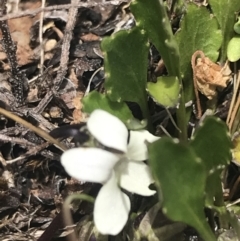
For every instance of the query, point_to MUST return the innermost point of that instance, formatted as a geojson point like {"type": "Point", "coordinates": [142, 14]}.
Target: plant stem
{"type": "Point", "coordinates": [206, 232]}
{"type": "Point", "coordinates": [208, 236]}
{"type": "Point", "coordinates": [219, 202]}
{"type": "Point", "coordinates": [67, 217]}
{"type": "Point", "coordinates": [181, 118]}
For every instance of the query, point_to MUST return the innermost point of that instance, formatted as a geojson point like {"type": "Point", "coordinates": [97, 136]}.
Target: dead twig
{"type": "Point", "coordinates": [64, 58]}
{"type": "Point", "coordinates": [66, 45]}
{"type": "Point", "coordinates": [31, 152]}
{"type": "Point", "coordinates": [56, 7]}
{"type": "Point", "coordinates": [16, 140]}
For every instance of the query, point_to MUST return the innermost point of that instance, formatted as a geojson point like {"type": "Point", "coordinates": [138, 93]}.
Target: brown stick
{"type": "Point", "coordinates": [68, 33]}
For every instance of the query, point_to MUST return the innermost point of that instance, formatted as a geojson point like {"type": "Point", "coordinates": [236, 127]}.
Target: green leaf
{"type": "Point", "coordinates": [224, 11]}
{"type": "Point", "coordinates": [233, 49]}
{"type": "Point", "coordinates": [152, 17]}
{"type": "Point", "coordinates": [94, 100]}
{"type": "Point", "coordinates": [166, 91]}
{"type": "Point", "coordinates": [236, 26]}
{"type": "Point", "coordinates": [211, 142]}
{"type": "Point", "coordinates": [125, 63]}
{"type": "Point", "coordinates": [199, 31]}
{"type": "Point", "coordinates": [181, 179]}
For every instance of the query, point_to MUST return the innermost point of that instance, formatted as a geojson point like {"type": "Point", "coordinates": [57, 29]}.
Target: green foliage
{"type": "Point", "coordinates": [214, 151]}
{"type": "Point", "coordinates": [166, 91]}
{"type": "Point", "coordinates": [184, 171]}
{"type": "Point", "coordinates": [224, 11]}
{"type": "Point", "coordinates": [181, 178]}
{"type": "Point", "coordinates": [125, 62]}
{"type": "Point", "coordinates": [233, 49]}
{"type": "Point", "coordinates": [187, 173]}
{"type": "Point", "coordinates": [236, 26]}
{"type": "Point", "coordinates": [199, 31]}
{"type": "Point", "coordinates": [125, 59]}
{"type": "Point", "coordinates": [95, 100]}
{"type": "Point", "coordinates": [152, 17]}
{"type": "Point", "coordinates": [212, 143]}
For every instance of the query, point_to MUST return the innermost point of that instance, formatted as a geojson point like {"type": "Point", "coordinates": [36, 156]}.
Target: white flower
{"type": "Point", "coordinates": [113, 170]}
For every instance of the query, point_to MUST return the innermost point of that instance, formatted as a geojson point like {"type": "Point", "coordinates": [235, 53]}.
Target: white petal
{"type": "Point", "coordinates": [89, 164]}
{"type": "Point", "coordinates": [108, 130]}
{"type": "Point", "coordinates": [111, 208]}
{"type": "Point", "coordinates": [137, 148]}
{"type": "Point", "coordinates": [134, 177]}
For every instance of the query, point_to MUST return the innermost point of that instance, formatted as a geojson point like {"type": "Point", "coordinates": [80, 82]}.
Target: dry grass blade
{"type": "Point", "coordinates": [33, 128]}
{"type": "Point", "coordinates": [235, 104]}
{"type": "Point", "coordinates": [41, 38]}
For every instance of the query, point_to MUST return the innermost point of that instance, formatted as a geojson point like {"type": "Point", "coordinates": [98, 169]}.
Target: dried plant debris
{"type": "Point", "coordinates": [208, 77]}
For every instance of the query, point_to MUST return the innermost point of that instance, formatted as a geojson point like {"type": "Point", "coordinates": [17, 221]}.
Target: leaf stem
{"type": "Point", "coordinates": [67, 212]}
{"type": "Point", "coordinates": [181, 118]}
{"type": "Point", "coordinates": [205, 231]}
{"type": "Point", "coordinates": [219, 202]}
{"type": "Point", "coordinates": [207, 234]}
